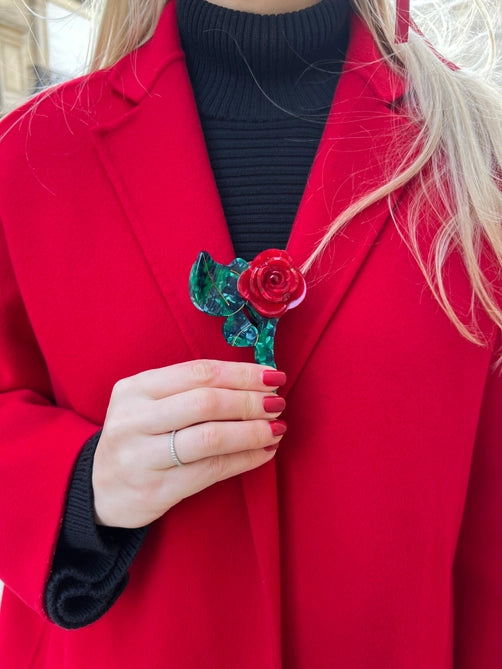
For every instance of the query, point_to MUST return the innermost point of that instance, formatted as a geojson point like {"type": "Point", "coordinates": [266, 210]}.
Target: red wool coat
{"type": "Point", "coordinates": [373, 540]}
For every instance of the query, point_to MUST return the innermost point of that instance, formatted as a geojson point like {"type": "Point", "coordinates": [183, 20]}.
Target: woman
{"type": "Point", "coordinates": [135, 440]}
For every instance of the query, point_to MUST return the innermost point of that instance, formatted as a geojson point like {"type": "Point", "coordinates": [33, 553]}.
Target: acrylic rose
{"type": "Point", "coordinates": [250, 296]}
{"type": "Point", "coordinates": [272, 284]}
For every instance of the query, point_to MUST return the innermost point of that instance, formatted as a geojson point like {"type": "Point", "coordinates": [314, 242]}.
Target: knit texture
{"type": "Point", "coordinates": [263, 86]}
{"type": "Point", "coordinates": [90, 567]}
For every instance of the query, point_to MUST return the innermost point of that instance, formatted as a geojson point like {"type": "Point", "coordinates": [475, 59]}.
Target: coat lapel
{"type": "Point", "coordinates": [358, 134]}
{"type": "Point", "coordinates": [362, 138]}
{"type": "Point", "coordinates": [155, 158]}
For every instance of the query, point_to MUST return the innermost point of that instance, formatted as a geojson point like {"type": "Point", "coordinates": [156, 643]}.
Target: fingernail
{"type": "Point", "coordinates": [278, 427]}
{"type": "Point", "coordinates": [274, 404]}
{"type": "Point", "coordinates": [271, 377]}
{"type": "Point", "coordinates": [272, 447]}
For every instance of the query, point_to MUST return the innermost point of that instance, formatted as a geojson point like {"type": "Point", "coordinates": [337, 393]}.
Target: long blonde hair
{"type": "Point", "coordinates": [457, 154]}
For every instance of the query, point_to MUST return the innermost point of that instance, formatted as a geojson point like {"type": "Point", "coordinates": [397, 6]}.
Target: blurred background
{"type": "Point", "coordinates": [43, 43]}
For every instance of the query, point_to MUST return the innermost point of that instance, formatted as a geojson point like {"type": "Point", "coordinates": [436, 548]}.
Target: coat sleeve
{"type": "Point", "coordinates": [91, 563]}
{"type": "Point", "coordinates": [39, 444]}
{"type": "Point", "coordinates": [478, 563]}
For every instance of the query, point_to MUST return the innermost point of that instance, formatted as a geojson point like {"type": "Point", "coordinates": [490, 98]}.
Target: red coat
{"type": "Point", "coordinates": [388, 481]}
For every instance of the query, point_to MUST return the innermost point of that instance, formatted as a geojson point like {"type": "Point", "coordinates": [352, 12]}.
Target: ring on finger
{"type": "Point", "coordinates": [174, 455]}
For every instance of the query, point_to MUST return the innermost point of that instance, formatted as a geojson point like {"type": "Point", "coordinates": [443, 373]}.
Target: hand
{"type": "Point", "coordinates": [223, 422]}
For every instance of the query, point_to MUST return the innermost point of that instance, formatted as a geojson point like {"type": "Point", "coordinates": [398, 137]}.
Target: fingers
{"type": "Point", "coordinates": [209, 404]}
{"type": "Point", "coordinates": [166, 381]}
{"type": "Point", "coordinates": [225, 416]}
{"type": "Point", "coordinates": [129, 493]}
{"type": "Point", "coordinates": [190, 479]}
{"type": "Point", "coordinates": [214, 439]}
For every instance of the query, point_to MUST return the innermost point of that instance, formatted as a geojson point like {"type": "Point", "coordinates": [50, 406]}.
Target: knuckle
{"type": "Point", "coordinates": [250, 459]}
{"type": "Point", "coordinates": [265, 435]}
{"type": "Point", "coordinates": [113, 428]}
{"type": "Point", "coordinates": [218, 466]}
{"type": "Point", "coordinates": [144, 496]}
{"type": "Point", "coordinates": [245, 376]}
{"type": "Point", "coordinates": [248, 406]}
{"type": "Point", "coordinates": [126, 464]}
{"type": "Point", "coordinates": [257, 440]}
{"type": "Point", "coordinates": [202, 372]}
{"type": "Point", "coordinates": [145, 487]}
{"type": "Point", "coordinates": [149, 418]}
{"type": "Point", "coordinates": [206, 402]}
{"type": "Point", "coordinates": [122, 387]}
{"type": "Point", "coordinates": [121, 421]}
{"type": "Point", "coordinates": [210, 438]}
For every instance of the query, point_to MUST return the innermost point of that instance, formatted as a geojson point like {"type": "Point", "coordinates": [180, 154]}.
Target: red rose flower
{"type": "Point", "coordinates": [271, 284]}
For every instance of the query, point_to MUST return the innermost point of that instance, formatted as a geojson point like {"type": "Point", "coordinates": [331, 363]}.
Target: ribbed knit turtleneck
{"type": "Point", "coordinates": [238, 60]}
{"type": "Point", "coordinates": [263, 85]}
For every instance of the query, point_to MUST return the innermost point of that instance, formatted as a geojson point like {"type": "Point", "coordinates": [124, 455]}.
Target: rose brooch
{"type": "Point", "coordinates": [250, 296]}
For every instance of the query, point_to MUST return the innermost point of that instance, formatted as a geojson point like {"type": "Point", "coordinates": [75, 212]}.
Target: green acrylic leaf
{"type": "Point", "coordinates": [264, 347]}
{"type": "Point", "coordinates": [238, 331]}
{"type": "Point", "coordinates": [213, 287]}
{"type": "Point", "coordinates": [238, 265]}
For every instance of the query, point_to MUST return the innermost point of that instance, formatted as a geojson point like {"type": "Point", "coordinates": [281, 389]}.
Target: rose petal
{"type": "Point", "coordinates": [243, 284]}
{"type": "Point", "coordinates": [272, 284]}
{"type": "Point", "coordinates": [295, 302]}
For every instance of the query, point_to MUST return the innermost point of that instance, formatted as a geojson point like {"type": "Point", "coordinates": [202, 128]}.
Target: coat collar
{"type": "Point", "coordinates": [154, 154]}
{"type": "Point", "coordinates": [134, 76]}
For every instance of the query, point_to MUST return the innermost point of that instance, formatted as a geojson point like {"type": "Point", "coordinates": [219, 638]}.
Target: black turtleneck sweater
{"type": "Point", "coordinates": [263, 86]}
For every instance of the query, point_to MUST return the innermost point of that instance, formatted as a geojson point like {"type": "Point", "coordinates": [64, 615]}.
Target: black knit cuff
{"type": "Point", "coordinates": [79, 531]}
{"type": "Point", "coordinates": [90, 566]}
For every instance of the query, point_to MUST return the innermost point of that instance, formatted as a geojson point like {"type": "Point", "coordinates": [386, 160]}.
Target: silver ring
{"type": "Point", "coordinates": [174, 455]}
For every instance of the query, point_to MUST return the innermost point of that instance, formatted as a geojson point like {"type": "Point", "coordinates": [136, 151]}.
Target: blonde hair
{"type": "Point", "coordinates": [124, 25]}
{"type": "Point", "coordinates": [456, 157]}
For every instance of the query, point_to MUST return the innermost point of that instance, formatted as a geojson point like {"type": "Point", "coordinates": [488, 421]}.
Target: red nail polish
{"type": "Point", "coordinates": [272, 447]}
{"type": "Point", "coordinates": [274, 404]}
{"type": "Point", "coordinates": [278, 427]}
{"type": "Point", "coordinates": [271, 377]}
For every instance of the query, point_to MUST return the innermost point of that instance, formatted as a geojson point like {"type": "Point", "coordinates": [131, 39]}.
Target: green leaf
{"type": "Point", "coordinates": [238, 265]}
{"type": "Point", "coordinates": [213, 287]}
{"type": "Point", "coordinates": [264, 346]}
{"type": "Point", "coordinates": [238, 331]}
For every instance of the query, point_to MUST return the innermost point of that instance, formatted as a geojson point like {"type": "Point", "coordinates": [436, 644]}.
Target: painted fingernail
{"type": "Point", "coordinates": [278, 427]}
{"type": "Point", "coordinates": [271, 377]}
{"type": "Point", "coordinates": [272, 447]}
{"type": "Point", "coordinates": [274, 404]}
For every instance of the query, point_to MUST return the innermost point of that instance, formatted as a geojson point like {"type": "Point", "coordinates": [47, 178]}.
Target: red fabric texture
{"type": "Point", "coordinates": [373, 540]}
